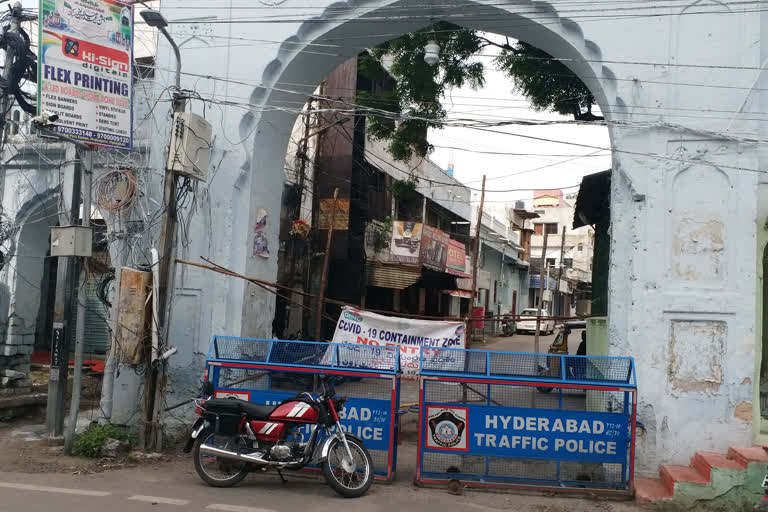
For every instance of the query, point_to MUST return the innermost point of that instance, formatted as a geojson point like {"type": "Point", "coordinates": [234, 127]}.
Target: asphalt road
{"type": "Point", "coordinates": [174, 487]}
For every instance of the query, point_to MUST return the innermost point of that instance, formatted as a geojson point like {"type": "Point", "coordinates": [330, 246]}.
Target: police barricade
{"type": "Point", "coordinates": [269, 371]}
{"type": "Point", "coordinates": [526, 420]}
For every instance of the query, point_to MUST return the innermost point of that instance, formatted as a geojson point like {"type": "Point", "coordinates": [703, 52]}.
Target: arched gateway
{"type": "Point", "coordinates": [682, 91]}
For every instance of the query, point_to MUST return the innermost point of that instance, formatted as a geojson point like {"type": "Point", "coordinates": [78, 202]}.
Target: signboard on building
{"type": "Point", "coordinates": [85, 70]}
{"type": "Point", "coordinates": [340, 218]}
{"type": "Point", "coordinates": [456, 262]}
{"type": "Point", "coordinates": [434, 248]}
{"type": "Point", "coordinates": [406, 242]}
{"type": "Point", "coordinates": [365, 328]}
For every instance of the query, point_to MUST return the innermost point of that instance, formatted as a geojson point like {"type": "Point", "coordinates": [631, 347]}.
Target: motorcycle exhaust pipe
{"type": "Point", "coordinates": [254, 458]}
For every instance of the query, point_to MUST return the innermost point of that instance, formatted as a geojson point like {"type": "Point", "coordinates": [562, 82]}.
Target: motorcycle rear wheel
{"type": "Point", "coordinates": [349, 484]}
{"type": "Point", "coordinates": [217, 471]}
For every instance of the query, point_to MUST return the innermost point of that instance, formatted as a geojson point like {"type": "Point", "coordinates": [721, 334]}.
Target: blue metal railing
{"type": "Point", "coordinates": [311, 354]}
{"type": "Point", "coordinates": [546, 368]}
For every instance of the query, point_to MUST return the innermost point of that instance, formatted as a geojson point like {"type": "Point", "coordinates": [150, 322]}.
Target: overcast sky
{"type": "Point", "coordinates": [498, 101]}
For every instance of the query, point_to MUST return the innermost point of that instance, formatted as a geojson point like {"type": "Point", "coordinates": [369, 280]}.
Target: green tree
{"type": "Point", "coordinates": [413, 102]}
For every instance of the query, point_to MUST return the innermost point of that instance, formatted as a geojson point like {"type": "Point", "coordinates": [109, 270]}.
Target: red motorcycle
{"type": "Point", "coordinates": [233, 436]}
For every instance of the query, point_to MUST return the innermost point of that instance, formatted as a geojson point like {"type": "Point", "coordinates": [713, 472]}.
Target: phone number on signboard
{"type": "Point", "coordinates": [87, 133]}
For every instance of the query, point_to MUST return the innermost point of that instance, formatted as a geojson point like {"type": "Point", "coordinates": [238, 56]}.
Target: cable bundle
{"type": "Point", "coordinates": [116, 190]}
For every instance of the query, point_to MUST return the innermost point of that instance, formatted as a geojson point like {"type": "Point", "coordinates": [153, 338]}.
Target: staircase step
{"type": "Point", "coordinates": [745, 455]}
{"type": "Point", "coordinates": [705, 461]}
{"type": "Point", "coordinates": [648, 490]}
{"type": "Point", "coordinates": [673, 474]}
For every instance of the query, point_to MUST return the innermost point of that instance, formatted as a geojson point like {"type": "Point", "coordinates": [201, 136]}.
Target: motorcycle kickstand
{"type": "Point", "coordinates": [281, 476]}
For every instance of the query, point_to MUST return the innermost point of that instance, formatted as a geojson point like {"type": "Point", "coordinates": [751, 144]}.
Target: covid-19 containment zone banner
{"type": "Point", "coordinates": [366, 328]}
{"type": "Point", "coordinates": [85, 69]}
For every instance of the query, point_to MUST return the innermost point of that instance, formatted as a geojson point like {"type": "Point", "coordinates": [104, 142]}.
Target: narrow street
{"type": "Point", "coordinates": [174, 486]}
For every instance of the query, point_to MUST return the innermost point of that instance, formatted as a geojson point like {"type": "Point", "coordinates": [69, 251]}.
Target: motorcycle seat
{"type": "Point", "coordinates": [235, 406]}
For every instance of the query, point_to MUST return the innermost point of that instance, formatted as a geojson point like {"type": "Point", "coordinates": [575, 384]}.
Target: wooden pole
{"type": "Point", "coordinates": [476, 256]}
{"type": "Point", "coordinates": [560, 273]}
{"type": "Point", "coordinates": [541, 290]}
{"type": "Point", "coordinates": [324, 276]}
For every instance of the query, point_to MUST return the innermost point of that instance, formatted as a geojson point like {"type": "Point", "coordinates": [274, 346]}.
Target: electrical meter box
{"type": "Point", "coordinates": [71, 241]}
{"type": "Point", "coordinates": [190, 149]}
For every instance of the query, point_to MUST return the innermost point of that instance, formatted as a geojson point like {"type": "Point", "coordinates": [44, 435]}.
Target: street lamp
{"type": "Point", "coordinates": [432, 53]}
{"type": "Point", "coordinates": [156, 20]}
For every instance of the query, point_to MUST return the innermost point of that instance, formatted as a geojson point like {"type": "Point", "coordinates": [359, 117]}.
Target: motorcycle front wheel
{"type": "Point", "coordinates": [350, 479]}
{"type": "Point", "coordinates": [217, 471]}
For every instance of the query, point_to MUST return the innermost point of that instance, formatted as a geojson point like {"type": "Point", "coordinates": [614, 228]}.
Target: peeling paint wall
{"type": "Point", "coordinates": [681, 289]}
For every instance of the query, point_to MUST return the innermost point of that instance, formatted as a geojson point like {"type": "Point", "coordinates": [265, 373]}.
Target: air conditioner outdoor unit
{"type": "Point", "coordinates": [190, 149]}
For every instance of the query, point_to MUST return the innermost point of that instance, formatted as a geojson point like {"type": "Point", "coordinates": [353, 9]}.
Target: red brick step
{"type": "Point", "coordinates": [745, 455]}
{"type": "Point", "coordinates": [648, 490]}
{"type": "Point", "coordinates": [705, 461]}
{"type": "Point", "coordinates": [672, 474]}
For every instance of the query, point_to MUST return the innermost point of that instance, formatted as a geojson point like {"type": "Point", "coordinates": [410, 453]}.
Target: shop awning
{"type": "Point", "coordinates": [464, 294]}
{"type": "Point", "coordinates": [398, 277]}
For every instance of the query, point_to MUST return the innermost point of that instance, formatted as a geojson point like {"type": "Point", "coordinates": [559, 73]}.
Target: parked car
{"type": "Point", "coordinates": [527, 321]}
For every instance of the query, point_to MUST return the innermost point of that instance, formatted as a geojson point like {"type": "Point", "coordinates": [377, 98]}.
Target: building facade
{"type": "Point", "coordinates": [568, 260]}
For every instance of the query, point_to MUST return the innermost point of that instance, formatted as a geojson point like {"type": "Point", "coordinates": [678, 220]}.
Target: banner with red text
{"type": "Point", "coordinates": [366, 328]}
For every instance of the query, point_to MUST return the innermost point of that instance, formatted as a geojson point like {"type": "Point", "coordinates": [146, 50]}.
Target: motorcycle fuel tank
{"type": "Point", "coordinates": [268, 430]}
{"type": "Point", "coordinates": [297, 412]}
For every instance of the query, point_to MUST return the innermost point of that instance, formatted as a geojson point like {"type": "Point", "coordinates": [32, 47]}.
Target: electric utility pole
{"type": "Point", "coordinates": [68, 270]}
{"type": "Point", "coordinates": [476, 257]}
{"type": "Point", "coordinates": [541, 290]}
{"type": "Point", "coordinates": [10, 56]}
{"type": "Point", "coordinates": [151, 432]}
{"type": "Point", "coordinates": [87, 158]}
{"type": "Point", "coordinates": [560, 273]}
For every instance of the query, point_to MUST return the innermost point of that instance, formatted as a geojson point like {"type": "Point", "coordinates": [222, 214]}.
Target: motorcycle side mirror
{"type": "Point", "coordinates": [208, 389]}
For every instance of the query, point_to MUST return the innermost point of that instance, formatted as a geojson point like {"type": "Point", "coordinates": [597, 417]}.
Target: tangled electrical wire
{"type": "Point", "coordinates": [23, 65]}
{"type": "Point", "coordinates": [116, 190]}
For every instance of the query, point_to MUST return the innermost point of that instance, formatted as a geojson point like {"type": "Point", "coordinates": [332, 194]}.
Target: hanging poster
{"type": "Point", "coordinates": [340, 218]}
{"type": "Point", "coordinates": [365, 328]}
{"type": "Point", "coordinates": [434, 248]}
{"type": "Point", "coordinates": [406, 242]}
{"type": "Point", "coordinates": [85, 70]}
{"type": "Point", "coordinates": [260, 242]}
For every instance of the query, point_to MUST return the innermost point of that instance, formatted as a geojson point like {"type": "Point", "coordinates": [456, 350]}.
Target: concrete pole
{"type": "Point", "coordinates": [541, 291]}
{"type": "Point", "coordinates": [68, 268]}
{"type": "Point", "coordinates": [86, 156]}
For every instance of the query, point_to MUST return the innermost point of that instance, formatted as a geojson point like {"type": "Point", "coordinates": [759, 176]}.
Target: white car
{"type": "Point", "coordinates": [527, 321]}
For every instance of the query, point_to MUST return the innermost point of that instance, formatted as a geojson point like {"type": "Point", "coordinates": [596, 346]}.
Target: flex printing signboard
{"type": "Point", "coordinates": [434, 248]}
{"type": "Point", "coordinates": [405, 246]}
{"type": "Point", "coordinates": [366, 328]}
{"type": "Point", "coordinates": [85, 70]}
{"type": "Point", "coordinates": [528, 433]}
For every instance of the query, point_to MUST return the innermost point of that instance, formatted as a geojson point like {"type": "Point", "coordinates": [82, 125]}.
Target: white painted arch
{"type": "Point", "coordinates": [671, 81]}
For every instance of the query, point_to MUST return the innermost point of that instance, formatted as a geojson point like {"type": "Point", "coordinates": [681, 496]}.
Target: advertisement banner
{"type": "Point", "coordinates": [524, 433]}
{"type": "Point", "coordinates": [365, 328]}
{"type": "Point", "coordinates": [434, 248]}
{"type": "Point", "coordinates": [478, 317]}
{"type": "Point", "coordinates": [406, 242]}
{"type": "Point", "coordinates": [457, 258]}
{"type": "Point", "coordinates": [85, 70]}
{"type": "Point", "coordinates": [340, 217]}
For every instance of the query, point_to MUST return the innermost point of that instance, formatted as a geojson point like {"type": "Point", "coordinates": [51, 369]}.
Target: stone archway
{"type": "Point", "coordinates": [677, 90]}
{"type": "Point", "coordinates": [23, 290]}
{"type": "Point", "coordinates": [297, 68]}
